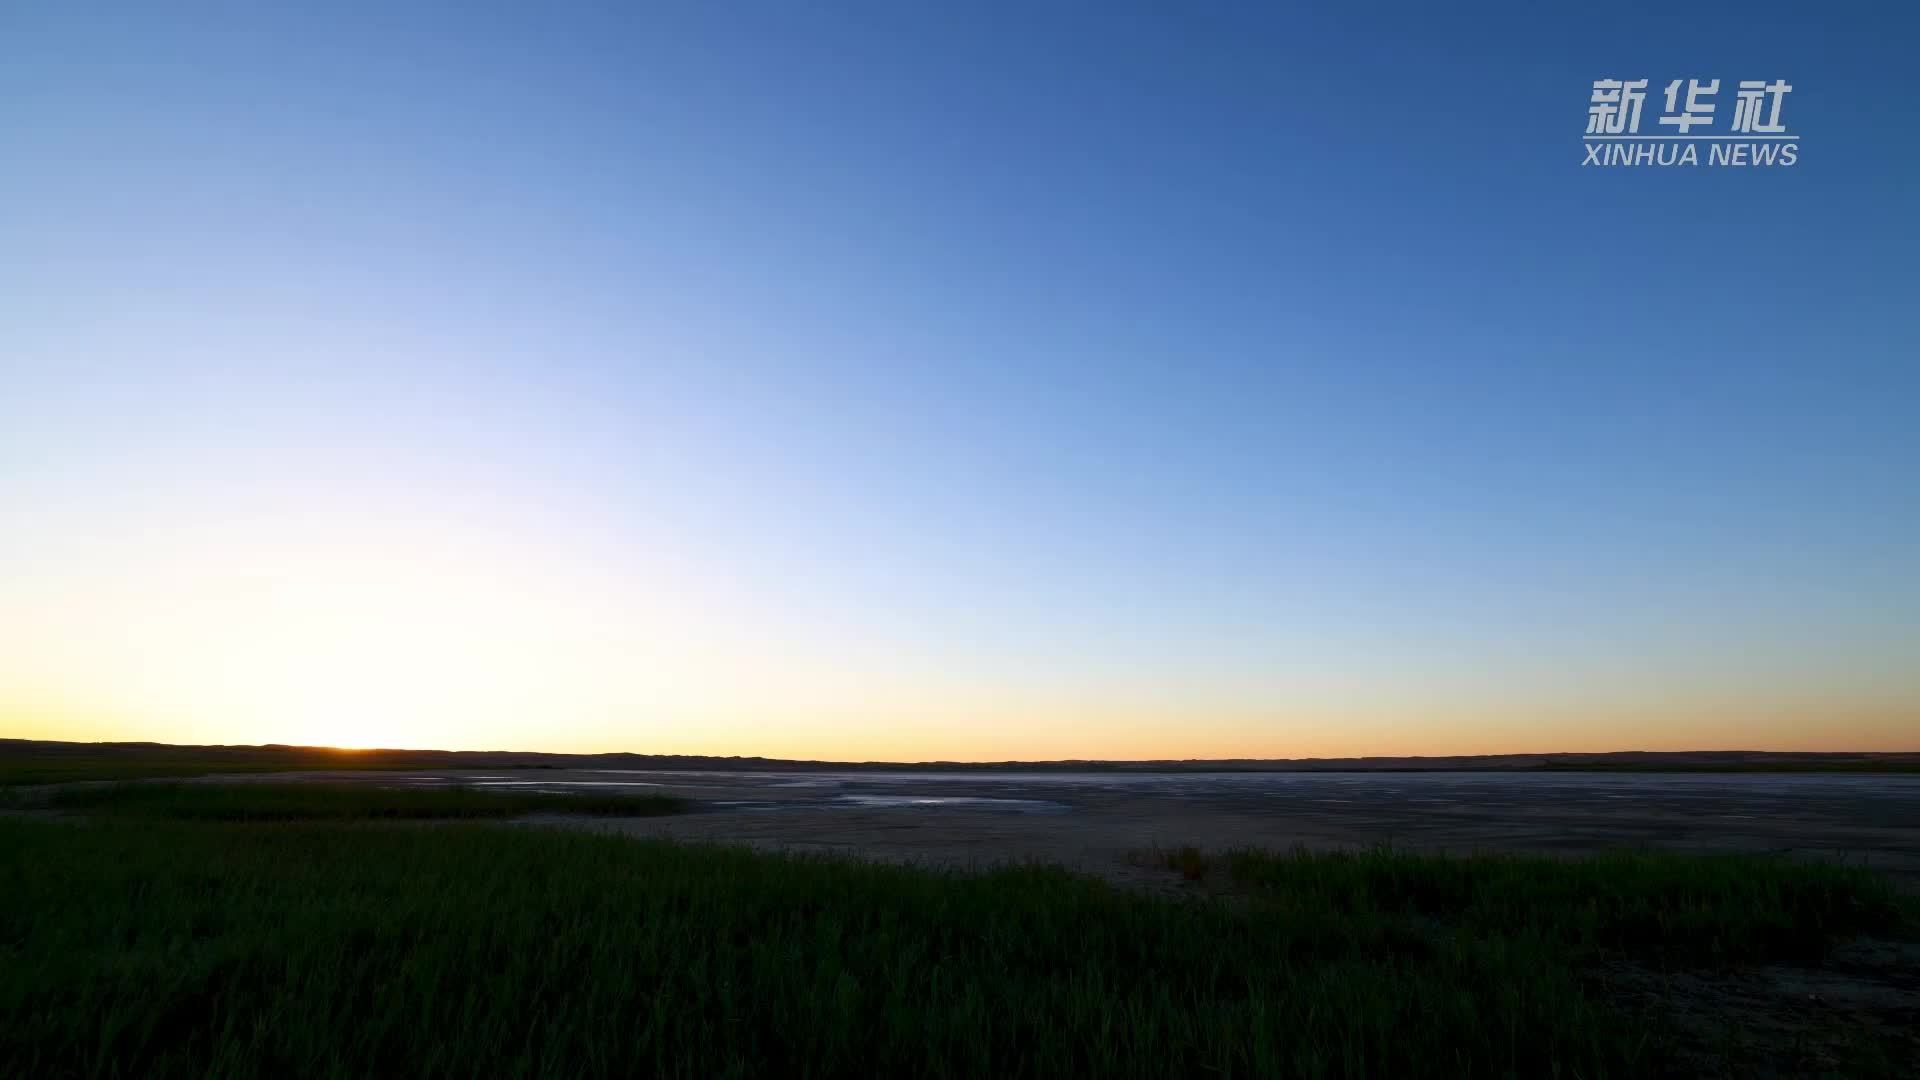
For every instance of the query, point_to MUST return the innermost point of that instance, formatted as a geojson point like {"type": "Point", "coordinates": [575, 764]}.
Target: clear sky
{"type": "Point", "coordinates": [966, 380]}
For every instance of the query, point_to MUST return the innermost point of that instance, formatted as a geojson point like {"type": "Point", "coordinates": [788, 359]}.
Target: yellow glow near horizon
{"type": "Point", "coordinates": [283, 630]}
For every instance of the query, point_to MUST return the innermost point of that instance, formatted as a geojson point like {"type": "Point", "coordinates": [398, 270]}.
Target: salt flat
{"type": "Point", "coordinates": [1097, 821]}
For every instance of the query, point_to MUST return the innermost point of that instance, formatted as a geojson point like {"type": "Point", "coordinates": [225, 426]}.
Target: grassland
{"type": "Point", "coordinates": [25, 772]}
{"type": "Point", "coordinates": [261, 801]}
{"type": "Point", "coordinates": [1641, 905]}
{"type": "Point", "coordinates": [136, 944]}
{"type": "Point", "coordinates": [26, 769]}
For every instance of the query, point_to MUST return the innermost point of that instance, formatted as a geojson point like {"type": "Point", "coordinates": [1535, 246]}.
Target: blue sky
{"type": "Point", "coordinates": [954, 379]}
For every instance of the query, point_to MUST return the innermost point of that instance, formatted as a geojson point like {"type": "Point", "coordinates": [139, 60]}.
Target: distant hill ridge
{"type": "Point", "coordinates": [296, 757]}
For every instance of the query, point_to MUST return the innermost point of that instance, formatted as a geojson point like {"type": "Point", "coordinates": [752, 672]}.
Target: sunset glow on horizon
{"type": "Point", "coordinates": [915, 391]}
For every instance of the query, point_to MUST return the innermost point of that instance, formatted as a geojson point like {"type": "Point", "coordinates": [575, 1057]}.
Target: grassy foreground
{"type": "Point", "coordinates": [267, 801]}
{"type": "Point", "coordinates": [1668, 908]}
{"type": "Point", "coordinates": [133, 947]}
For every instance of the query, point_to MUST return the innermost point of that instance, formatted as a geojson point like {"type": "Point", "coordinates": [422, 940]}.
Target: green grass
{"type": "Point", "coordinates": [269, 801]}
{"type": "Point", "coordinates": [1653, 907]}
{"type": "Point", "coordinates": [134, 947]}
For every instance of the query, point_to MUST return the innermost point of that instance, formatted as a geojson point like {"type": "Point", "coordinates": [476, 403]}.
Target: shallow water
{"type": "Point", "coordinates": [977, 802]}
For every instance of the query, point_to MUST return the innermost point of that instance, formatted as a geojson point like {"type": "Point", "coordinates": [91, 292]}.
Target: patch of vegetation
{"type": "Point", "coordinates": [156, 948]}
{"type": "Point", "coordinates": [1192, 863]}
{"type": "Point", "coordinates": [268, 801]}
{"type": "Point", "coordinates": [1655, 907]}
{"type": "Point", "coordinates": [25, 771]}
{"type": "Point", "coordinates": [24, 762]}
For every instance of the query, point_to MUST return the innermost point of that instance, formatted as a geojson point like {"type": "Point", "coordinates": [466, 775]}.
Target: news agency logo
{"type": "Point", "coordinates": [1756, 136]}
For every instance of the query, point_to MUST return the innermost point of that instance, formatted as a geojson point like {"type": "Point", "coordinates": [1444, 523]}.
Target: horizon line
{"type": "Point", "coordinates": [961, 761]}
